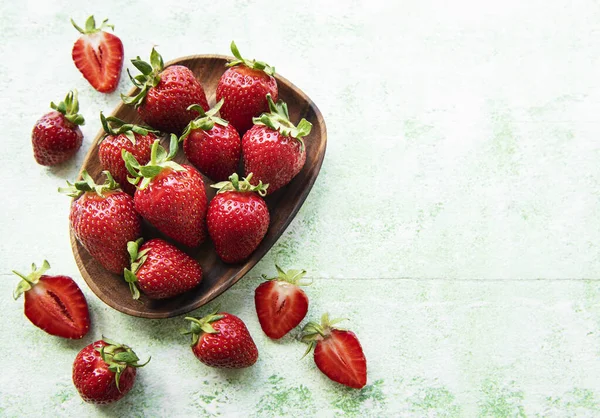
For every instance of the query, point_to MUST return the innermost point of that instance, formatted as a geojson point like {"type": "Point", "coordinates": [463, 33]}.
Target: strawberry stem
{"type": "Point", "coordinates": [257, 65]}
{"type": "Point", "coordinates": [90, 26]}
{"type": "Point", "coordinates": [115, 126]}
{"type": "Point", "coordinates": [313, 332]}
{"type": "Point", "coordinates": [294, 277]}
{"type": "Point", "coordinates": [149, 77]}
{"type": "Point", "coordinates": [118, 357]}
{"type": "Point", "coordinates": [205, 120]}
{"type": "Point", "coordinates": [31, 279]}
{"type": "Point", "coordinates": [235, 185]}
{"type": "Point", "coordinates": [198, 326]}
{"type": "Point", "coordinates": [69, 108]}
{"type": "Point", "coordinates": [87, 184]}
{"type": "Point", "coordinates": [278, 119]}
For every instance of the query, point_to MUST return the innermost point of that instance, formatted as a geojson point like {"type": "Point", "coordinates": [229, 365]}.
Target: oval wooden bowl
{"type": "Point", "coordinates": [217, 276]}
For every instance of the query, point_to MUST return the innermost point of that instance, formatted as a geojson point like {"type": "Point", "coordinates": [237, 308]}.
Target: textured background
{"type": "Point", "coordinates": [455, 220]}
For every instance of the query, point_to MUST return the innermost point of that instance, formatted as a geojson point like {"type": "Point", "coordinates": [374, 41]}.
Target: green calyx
{"type": "Point", "coordinates": [198, 326]}
{"type": "Point", "coordinates": [87, 184]}
{"type": "Point", "coordinates": [31, 279]}
{"type": "Point", "coordinates": [314, 332]}
{"type": "Point", "coordinates": [137, 258]}
{"type": "Point", "coordinates": [118, 357]}
{"type": "Point", "coordinates": [205, 120]}
{"type": "Point", "coordinates": [160, 159]}
{"type": "Point", "coordinates": [69, 108]}
{"type": "Point", "coordinates": [235, 185]}
{"type": "Point", "coordinates": [149, 77]}
{"type": "Point", "coordinates": [115, 126]}
{"type": "Point", "coordinates": [257, 65]}
{"type": "Point", "coordinates": [295, 277]}
{"type": "Point", "coordinates": [278, 119]}
{"type": "Point", "coordinates": [90, 26]}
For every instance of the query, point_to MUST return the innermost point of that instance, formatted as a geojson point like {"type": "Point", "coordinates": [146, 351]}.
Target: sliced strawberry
{"type": "Point", "coordinates": [98, 55]}
{"type": "Point", "coordinates": [280, 303]}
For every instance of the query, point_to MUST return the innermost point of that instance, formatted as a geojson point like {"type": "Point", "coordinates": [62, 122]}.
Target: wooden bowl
{"type": "Point", "coordinates": [217, 276]}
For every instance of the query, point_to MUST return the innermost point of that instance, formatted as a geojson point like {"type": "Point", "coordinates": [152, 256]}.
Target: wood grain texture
{"type": "Point", "coordinates": [217, 276]}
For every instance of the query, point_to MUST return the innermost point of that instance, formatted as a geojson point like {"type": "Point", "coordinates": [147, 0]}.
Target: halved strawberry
{"type": "Point", "coordinates": [54, 303]}
{"type": "Point", "coordinates": [98, 55]}
{"type": "Point", "coordinates": [280, 303]}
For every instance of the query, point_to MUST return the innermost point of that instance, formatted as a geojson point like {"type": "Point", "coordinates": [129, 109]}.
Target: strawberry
{"type": "Point", "coordinates": [170, 196]}
{"type": "Point", "coordinates": [123, 136]}
{"type": "Point", "coordinates": [222, 340]}
{"type": "Point", "coordinates": [56, 136]}
{"type": "Point", "coordinates": [98, 55]}
{"type": "Point", "coordinates": [165, 94]}
{"type": "Point", "coordinates": [160, 269]}
{"type": "Point", "coordinates": [105, 371]}
{"type": "Point", "coordinates": [273, 149]}
{"type": "Point", "coordinates": [212, 144]}
{"type": "Point", "coordinates": [54, 303]}
{"type": "Point", "coordinates": [238, 218]}
{"type": "Point", "coordinates": [338, 353]}
{"type": "Point", "coordinates": [280, 303]}
{"type": "Point", "coordinates": [104, 220]}
{"type": "Point", "coordinates": [244, 86]}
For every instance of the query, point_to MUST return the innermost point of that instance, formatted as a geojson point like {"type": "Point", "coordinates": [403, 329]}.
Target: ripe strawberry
{"type": "Point", "coordinates": [170, 196]}
{"type": "Point", "coordinates": [105, 371]}
{"type": "Point", "coordinates": [104, 220]}
{"type": "Point", "coordinates": [160, 269]}
{"type": "Point", "coordinates": [238, 218]}
{"type": "Point", "coordinates": [338, 353]}
{"type": "Point", "coordinates": [273, 149]}
{"type": "Point", "coordinates": [98, 55]}
{"type": "Point", "coordinates": [212, 144]}
{"type": "Point", "coordinates": [56, 136]}
{"type": "Point", "coordinates": [280, 303]}
{"type": "Point", "coordinates": [165, 94]}
{"type": "Point", "coordinates": [244, 86]}
{"type": "Point", "coordinates": [54, 303]}
{"type": "Point", "coordinates": [124, 136]}
{"type": "Point", "coordinates": [222, 340]}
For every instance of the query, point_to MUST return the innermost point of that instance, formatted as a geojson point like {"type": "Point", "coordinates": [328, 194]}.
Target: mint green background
{"type": "Point", "coordinates": [454, 223]}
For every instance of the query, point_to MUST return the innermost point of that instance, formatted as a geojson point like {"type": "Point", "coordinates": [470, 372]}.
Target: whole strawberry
{"type": "Point", "coordinates": [165, 94]}
{"type": "Point", "coordinates": [338, 353]}
{"type": "Point", "coordinates": [98, 55]}
{"type": "Point", "coordinates": [105, 371]}
{"type": "Point", "coordinates": [212, 144]}
{"type": "Point", "coordinates": [273, 149]}
{"type": "Point", "coordinates": [134, 139]}
{"type": "Point", "coordinates": [244, 87]}
{"type": "Point", "coordinates": [222, 340]}
{"type": "Point", "coordinates": [56, 136]}
{"type": "Point", "coordinates": [280, 303]}
{"type": "Point", "coordinates": [238, 218]}
{"type": "Point", "coordinates": [54, 303]}
{"type": "Point", "coordinates": [104, 220]}
{"type": "Point", "coordinates": [160, 270]}
{"type": "Point", "coordinates": [170, 196]}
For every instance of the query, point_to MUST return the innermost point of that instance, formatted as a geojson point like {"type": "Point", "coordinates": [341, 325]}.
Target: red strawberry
{"type": "Point", "coordinates": [98, 55]}
{"type": "Point", "coordinates": [161, 270]}
{"type": "Point", "coordinates": [54, 303]}
{"type": "Point", "coordinates": [104, 220]}
{"type": "Point", "coordinates": [338, 353]}
{"type": "Point", "coordinates": [56, 136]}
{"type": "Point", "coordinates": [124, 136]}
{"type": "Point", "coordinates": [273, 149]}
{"type": "Point", "coordinates": [280, 303]}
{"type": "Point", "coordinates": [105, 371]}
{"type": "Point", "coordinates": [170, 196]}
{"type": "Point", "coordinates": [165, 94]}
{"type": "Point", "coordinates": [222, 340]}
{"type": "Point", "coordinates": [212, 144]}
{"type": "Point", "coordinates": [238, 218]}
{"type": "Point", "coordinates": [244, 86]}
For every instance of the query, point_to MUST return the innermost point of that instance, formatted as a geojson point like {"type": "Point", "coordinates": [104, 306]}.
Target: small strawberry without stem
{"type": "Point", "coordinates": [212, 144]}
{"type": "Point", "coordinates": [54, 303]}
{"type": "Point", "coordinates": [338, 353]}
{"type": "Point", "coordinates": [244, 87]}
{"type": "Point", "coordinates": [222, 340]}
{"type": "Point", "coordinates": [56, 136]}
{"type": "Point", "coordinates": [160, 269]}
{"type": "Point", "coordinates": [238, 218]}
{"type": "Point", "coordinates": [274, 149]}
{"type": "Point", "coordinates": [104, 220]}
{"type": "Point", "coordinates": [98, 55]}
{"type": "Point", "coordinates": [165, 94]}
{"type": "Point", "coordinates": [105, 371]}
